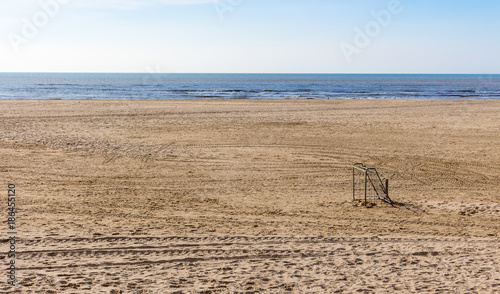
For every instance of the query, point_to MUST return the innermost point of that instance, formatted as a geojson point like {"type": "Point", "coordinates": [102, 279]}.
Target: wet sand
{"type": "Point", "coordinates": [252, 196]}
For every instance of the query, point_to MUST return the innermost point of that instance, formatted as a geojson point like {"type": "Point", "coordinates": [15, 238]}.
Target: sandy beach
{"type": "Point", "coordinates": [251, 196]}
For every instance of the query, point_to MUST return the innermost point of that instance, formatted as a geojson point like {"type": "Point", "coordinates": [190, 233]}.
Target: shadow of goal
{"type": "Point", "coordinates": [367, 186]}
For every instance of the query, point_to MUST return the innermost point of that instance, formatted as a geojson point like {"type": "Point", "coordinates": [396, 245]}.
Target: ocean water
{"type": "Point", "coordinates": [247, 86]}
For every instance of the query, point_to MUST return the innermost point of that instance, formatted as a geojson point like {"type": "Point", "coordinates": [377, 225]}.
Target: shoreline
{"type": "Point", "coordinates": [250, 99]}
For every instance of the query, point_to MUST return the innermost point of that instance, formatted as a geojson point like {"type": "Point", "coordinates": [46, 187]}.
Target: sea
{"type": "Point", "coordinates": [142, 86]}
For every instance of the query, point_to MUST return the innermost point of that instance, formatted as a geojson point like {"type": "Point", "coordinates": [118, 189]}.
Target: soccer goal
{"type": "Point", "coordinates": [367, 186]}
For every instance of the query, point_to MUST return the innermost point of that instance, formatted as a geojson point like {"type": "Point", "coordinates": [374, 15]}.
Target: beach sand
{"type": "Point", "coordinates": [251, 196]}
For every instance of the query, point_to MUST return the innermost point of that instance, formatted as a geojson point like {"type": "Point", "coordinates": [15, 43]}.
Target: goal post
{"type": "Point", "coordinates": [367, 186]}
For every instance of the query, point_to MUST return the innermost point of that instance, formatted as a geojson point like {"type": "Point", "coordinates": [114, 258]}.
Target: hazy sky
{"type": "Point", "coordinates": [257, 36]}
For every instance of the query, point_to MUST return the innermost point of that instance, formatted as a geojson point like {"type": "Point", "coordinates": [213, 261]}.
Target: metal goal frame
{"type": "Point", "coordinates": [367, 186]}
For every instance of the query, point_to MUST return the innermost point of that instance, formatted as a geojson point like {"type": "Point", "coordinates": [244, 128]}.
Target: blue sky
{"type": "Point", "coordinates": [255, 36]}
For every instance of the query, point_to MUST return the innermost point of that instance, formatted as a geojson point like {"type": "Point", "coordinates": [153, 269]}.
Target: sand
{"type": "Point", "coordinates": [245, 196]}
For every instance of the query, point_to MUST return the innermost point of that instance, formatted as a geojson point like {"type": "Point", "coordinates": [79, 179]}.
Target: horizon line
{"type": "Point", "coordinates": [240, 73]}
